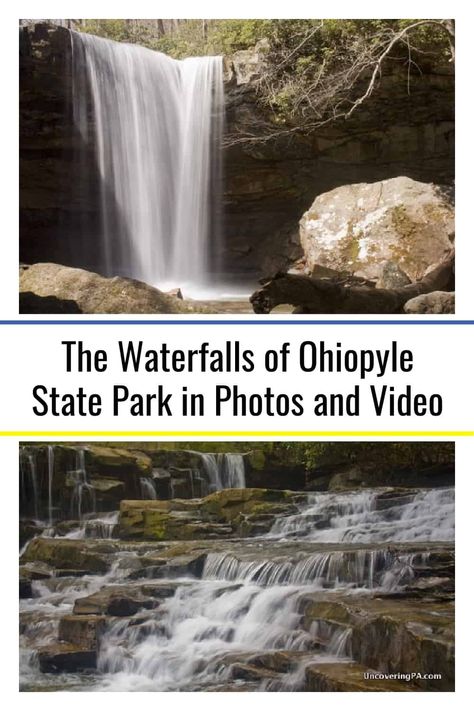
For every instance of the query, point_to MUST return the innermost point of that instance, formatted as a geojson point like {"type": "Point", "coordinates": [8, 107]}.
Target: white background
{"type": "Point", "coordinates": [442, 353]}
{"type": "Point", "coordinates": [35, 356]}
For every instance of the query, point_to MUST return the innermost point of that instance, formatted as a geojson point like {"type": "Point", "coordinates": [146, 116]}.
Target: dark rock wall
{"type": "Point", "coordinates": [59, 182]}
{"type": "Point", "coordinates": [267, 186]}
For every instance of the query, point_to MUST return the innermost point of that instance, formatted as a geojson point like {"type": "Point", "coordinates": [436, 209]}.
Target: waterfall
{"type": "Point", "coordinates": [319, 599]}
{"type": "Point", "coordinates": [363, 568]}
{"type": "Point", "coordinates": [224, 470]}
{"type": "Point", "coordinates": [147, 488]}
{"type": "Point", "coordinates": [34, 485]}
{"type": "Point", "coordinates": [366, 517]}
{"type": "Point", "coordinates": [83, 494]}
{"type": "Point", "coordinates": [101, 527]}
{"type": "Point", "coordinates": [50, 483]}
{"type": "Point", "coordinates": [157, 130]}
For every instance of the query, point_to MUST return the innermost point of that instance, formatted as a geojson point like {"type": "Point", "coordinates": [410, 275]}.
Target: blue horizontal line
{"type": "Point", "coordinates": [241, 322]}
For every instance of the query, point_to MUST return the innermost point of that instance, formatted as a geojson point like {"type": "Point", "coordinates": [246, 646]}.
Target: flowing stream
{"type": "Point", "coordinates": [214, 624]}
{"type": "Point", "coordinates": [156, 127]}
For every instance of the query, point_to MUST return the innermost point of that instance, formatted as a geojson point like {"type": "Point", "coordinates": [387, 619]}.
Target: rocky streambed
{"type": "Point", "coordinates": [245, 590]}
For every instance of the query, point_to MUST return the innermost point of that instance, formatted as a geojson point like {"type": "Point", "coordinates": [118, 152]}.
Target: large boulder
{"type": "Point", "coordinates": [95, 294]}
{"type": "Point", "coordinates": [359, 227]}
{"type": "Point", "coordinates": [437, 302]}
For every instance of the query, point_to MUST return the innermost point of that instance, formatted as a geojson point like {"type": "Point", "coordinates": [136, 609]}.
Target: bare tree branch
{"type": "Point", "coordinates": [328, 96]}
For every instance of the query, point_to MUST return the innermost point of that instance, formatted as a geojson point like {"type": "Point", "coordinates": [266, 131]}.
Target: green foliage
{"type": "Point", "coordinates": [385, 455]}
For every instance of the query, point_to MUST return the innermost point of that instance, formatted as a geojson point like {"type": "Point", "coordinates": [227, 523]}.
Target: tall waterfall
{"type": "Point", "coordinates": [157, 129]}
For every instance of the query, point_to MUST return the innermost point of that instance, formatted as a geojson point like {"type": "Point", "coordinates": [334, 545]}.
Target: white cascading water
{"type": "Point", "coordinates": [147, 488]}
{"type": "Point", "coordinates": [224, 470]}
{"type": "Point", "coordinates": [34, 483]}
{"type": "Point", "coordinates": [359, 517]}
{"type": "Point", "coordinates": [157, 134]}
{"type": "Point", "coordinates": [83, 493]}
{"type": "Point", "coordinates": [101, 526]}
{"type": "Point", "coordinates": [29, 485]}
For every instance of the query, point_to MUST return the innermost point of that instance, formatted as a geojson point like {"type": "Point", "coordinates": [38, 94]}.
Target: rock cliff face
{"type": "Point", "coordinates": [267, 186]}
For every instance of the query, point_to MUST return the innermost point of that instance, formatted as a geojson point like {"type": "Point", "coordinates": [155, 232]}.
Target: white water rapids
{"type": "Point", "coordinates": [156, 125]}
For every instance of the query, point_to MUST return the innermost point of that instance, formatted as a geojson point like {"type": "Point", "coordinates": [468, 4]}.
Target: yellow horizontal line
{"type": "Point", "coordinates": [237, 433]}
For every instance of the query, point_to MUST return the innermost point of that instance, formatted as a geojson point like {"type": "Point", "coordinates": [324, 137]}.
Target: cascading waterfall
{"type": "Point", "coordinates": [83, 494]}
{"type": "Point", "coordinates": [147, 488]}
{"type": "Point", "coordinates": [249, 598]}
{"type": "Point", "coordinates": [33, 476]}
{"type": "Point", "coordinates": [361, 518]}
{"type": "Point", "coordinates": [157, 131]}
{"type": "Point", "coordinates": [224, 470]}
{"type": "Point", "coordinates": [98, 527]}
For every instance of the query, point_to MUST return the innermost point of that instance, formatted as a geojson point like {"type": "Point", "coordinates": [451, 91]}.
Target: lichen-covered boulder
{"type": "Point", "coordinates": [437, 302]}
{"type": "Point", "coordinates": [359, 227]}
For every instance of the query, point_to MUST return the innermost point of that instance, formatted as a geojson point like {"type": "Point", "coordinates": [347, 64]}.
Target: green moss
{"type": "Point", "coordinates": [155, 525]}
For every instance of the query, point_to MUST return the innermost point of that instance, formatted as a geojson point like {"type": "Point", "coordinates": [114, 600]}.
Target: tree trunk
{"type": "Point", "coordinates": [322, 296]}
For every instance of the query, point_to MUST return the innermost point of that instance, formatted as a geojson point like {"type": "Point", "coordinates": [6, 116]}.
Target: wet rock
{"type": "Point", "coordinates": [360, 227]}
{"type": "Point", "coordinates": [397, 636]}
{"type": "Point", "coordinates": [35, 571]}
{"type": "Point", "coordinates": [281, 662]}
{"type": "Point", "coordinates": [160, 591]}
{"type": "Point", "coordinates": [149, 520]}
{"type": "Point", "coordinates": [116, 601]}
{"type": "Point", "coordinates": [229, 504]}
{"type": "Point", "coordinates": [25, 588]}
{"type": "Point", "coordinates": [248, 672]}
{"type": "Point", "coordinates": [176, 459]}
{"type": "Point", "coordinates": [437, 302]}
{"type": "Point", "coordinates": [69, 554]}
{"type": "Point", "coordinates": [66, 657]}
{"type": "Point", "coordinates": [83, 630]}
{"type": "Point", "coordinates": [349, 676]}
{"type": "Point", "coordinates": [28, 529]}
{"type": "Point", "coordinates": [117, 461]}
{"type": "Point", "coordinates": [95, 294]}
{"type": "Point", "coordinates": [219, 515]}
